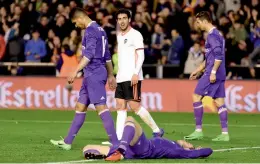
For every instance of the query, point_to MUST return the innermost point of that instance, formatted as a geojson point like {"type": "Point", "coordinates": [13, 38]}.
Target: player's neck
{"type": "Point", "coordinates": [88, 22]}
{"type": "Point", "coordinates": [126, 30]}
{"type": "Point", "coordinates": [209, 28]}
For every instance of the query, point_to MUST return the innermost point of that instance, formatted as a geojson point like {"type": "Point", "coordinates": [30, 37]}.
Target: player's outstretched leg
{"type": "Point", "coordinates": [223, 116]}
{"type": "Point", "coordinates": [108, 123]}
{"type": "Point", "coordinates": [76, 124]}
{"type": "Point", "coordinates": [198, 115]}
{"type": "Point", "coordinates": [131, 135]}
{"type": "Point", "coordinates": [146, 117]}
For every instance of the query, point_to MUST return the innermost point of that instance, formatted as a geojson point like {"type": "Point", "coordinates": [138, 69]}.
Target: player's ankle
{"type": "Point", "coordinates": [198, 130]}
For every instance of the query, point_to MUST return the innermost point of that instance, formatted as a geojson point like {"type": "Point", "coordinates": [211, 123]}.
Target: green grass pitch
{"type": "Point", "coordinates": [25, 135]}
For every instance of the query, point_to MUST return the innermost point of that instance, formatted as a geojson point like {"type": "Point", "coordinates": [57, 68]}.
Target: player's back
{"type": "Point", "coordinates": [215, 49]}
{"type": "Point", "coordinates": [95, 48]}
{"type": "Point", "coordinates": [158, 147]}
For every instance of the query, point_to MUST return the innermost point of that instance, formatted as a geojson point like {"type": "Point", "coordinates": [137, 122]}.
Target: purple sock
{"type": "Point", "coordinates": [223, 116]}
{"type": "Point", "coordinates": [198, 114]}
{"type": "Point", "coordinates": [75, 126]}
{"type": "Point", "coordinates": [109, 126]}
{"type": "Point", "coordinates": [128, 135]}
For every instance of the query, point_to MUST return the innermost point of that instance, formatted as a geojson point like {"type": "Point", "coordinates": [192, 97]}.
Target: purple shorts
{"type": "Point", "coordinates": [214, 90]}
{"type": "Point", "coordinates": [93, 91]}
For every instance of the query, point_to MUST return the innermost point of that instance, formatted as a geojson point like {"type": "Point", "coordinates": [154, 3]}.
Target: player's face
{"type": "Point", "coordinates": [199, 24]}
{"type": "Point", "coordinates": [123, 21]}
{"type": "Point", "coordinates": [79, 22]}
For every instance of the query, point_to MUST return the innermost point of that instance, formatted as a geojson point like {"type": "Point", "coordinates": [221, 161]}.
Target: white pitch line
{"type": "Point", "coordinates": [93, 122]}
{"type": "Point", "coordinates": [232, 149]}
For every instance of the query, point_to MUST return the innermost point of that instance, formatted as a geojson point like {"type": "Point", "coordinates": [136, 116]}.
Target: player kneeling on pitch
{"type": "Point", "coordinates": [135, 145]}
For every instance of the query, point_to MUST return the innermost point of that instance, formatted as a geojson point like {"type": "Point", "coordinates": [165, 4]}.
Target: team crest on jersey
{"type": "Point", "coordinates": [125, 41]}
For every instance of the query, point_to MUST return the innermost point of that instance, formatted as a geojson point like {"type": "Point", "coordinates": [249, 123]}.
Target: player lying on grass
{"type": "Point", "coordinates": [135, 145]}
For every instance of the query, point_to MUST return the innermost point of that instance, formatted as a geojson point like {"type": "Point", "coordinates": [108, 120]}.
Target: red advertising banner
{"type": "Point", "coordinates": [157, 95]}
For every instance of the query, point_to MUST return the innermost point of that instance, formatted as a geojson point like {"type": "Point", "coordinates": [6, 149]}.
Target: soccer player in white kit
{"type": "Point", "coordinates": [130, 75]}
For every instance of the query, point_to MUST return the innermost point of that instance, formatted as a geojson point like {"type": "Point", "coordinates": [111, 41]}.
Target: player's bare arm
{"type": "Point", "coordinates": [83, 63]}
{"type": "Point", "coordinates": [111, 78]}
{"type": "Point", "coordinates": [214, 70]}
{"type": "Point", "coordinates": [139, 63]}
{"type": "Point", "coordinates": [194, 75]}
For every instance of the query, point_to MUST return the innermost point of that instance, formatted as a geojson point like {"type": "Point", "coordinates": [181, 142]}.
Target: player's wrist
{"type": "Point", "coordinates": [213, 72]}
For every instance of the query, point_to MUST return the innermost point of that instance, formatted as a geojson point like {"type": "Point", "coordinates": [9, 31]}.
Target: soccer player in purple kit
{"type": "Point", "coordinates": [97, 66]}
{"type": "Point", "coordinates": [135, 145]}
{"type": "Point", "coordinates": [212, 82]}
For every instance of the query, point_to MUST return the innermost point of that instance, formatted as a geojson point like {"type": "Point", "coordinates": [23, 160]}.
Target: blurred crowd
{"type": "Point", "coordinates": [41, 31]}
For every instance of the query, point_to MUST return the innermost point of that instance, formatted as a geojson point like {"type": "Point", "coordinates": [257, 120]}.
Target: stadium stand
{"type": "Point", "coordinates": [34, 31]}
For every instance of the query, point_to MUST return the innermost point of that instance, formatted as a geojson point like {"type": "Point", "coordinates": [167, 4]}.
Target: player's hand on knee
{"type": "Point", "coordinates": [134, 80]}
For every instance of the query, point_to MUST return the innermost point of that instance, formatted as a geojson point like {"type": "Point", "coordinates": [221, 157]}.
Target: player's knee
{"type": "Point", "coordinates": [219, 102]}
{"type": "Point", "coordinates": [134, 105]}
{"type": "Point", "coordinates": [80, 107]}
{"type": "Point", "coordinates": [196, 97]}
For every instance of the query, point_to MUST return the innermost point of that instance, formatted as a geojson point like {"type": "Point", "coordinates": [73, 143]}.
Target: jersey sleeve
{"type": "Point", "coordinates": [138, 41]}
{"type": "Point", "coordinates": [217, 47]}
{"type": "Point", "coordinates": [90, 43]}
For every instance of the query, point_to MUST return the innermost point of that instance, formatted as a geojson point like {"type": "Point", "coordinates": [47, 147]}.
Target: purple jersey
{"type": "Point", "coordinates": [158, 147]}
{"type": "Point", "coordinates": [95, 48]}
{"type": "Point", "coordinates": [215, 50]}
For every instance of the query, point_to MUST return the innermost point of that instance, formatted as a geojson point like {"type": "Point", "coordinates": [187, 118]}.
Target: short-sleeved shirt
{"type": "Point", "coordinates": [95, 49]}
{"type": "Point", "coordinates": [128, 44]}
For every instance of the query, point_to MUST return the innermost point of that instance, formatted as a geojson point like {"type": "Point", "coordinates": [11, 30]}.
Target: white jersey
{"type": "Point", "coordinates": [128, 43]}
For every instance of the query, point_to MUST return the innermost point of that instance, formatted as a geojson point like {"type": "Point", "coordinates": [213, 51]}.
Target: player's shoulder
{"type": "Point", "coordinates": [135, 33]}
{"type": "Point", "coordinates": [93, 28]}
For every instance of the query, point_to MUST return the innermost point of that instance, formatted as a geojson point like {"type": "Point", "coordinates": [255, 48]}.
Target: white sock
{"type": "Point", "coordinates": [120, 123]}
{"type": "Point", "coordinates": [147, 118]}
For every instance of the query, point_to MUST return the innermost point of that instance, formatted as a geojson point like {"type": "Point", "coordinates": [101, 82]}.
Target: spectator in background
{"type": "Point", "coordinates": [141, 27]}
{"type": "Point", "coordinates": [43, 27]}
{"type": "Point", "coordinates": [195, 58]}
{"type": "Point", "coordinates": [67, 61]}
{"type": "Point", "coordinates": [72, 41]}
{"type": "Point", "coordinates": [56, 49]}
{"type": "Point", "coordinates": [255, 39]}
{"type": "Point", "coordinates": [176, 49]}
{"type": "Point", "coordinates": [157, 42]}
{"type": "Point", "coordinates": [237, 33]}
{"type": "Point", "coordinates": [2, 46]}
{"type": "Point", "coordinates": [35, 49]}
{"type": "Point", "coordinates": [61, 29]}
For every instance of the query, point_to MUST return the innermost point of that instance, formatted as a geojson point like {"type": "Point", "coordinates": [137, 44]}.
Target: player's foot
{"type": "Point", "coordinates": [106, 143]}
{"type": "Point", "coordinates": [115, 157]}
{"type": "Point", "coordinates": [222, 137]}
{"type": "Point", "coordinates": [194, 136]}
{"type": "Point", "coordinates": [61, 144]}
{"type": "Point", "coordinates": [160, 134]}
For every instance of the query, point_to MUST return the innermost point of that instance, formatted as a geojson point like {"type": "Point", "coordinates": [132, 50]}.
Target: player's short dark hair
{"type": "Point", "coordinates": [124, 11]}
{"type": "Point", "coordinates": [78, 12]}
{"type": "Point", "coordinates": [204, 15]}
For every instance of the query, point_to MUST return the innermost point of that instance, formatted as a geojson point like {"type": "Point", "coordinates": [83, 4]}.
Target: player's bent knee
{"type": "Point", "coordinates": [80, 107]}
{"type": "Point", "coordinates": [196, 97]}
{"type": "Point", "coordinates": [219, 102]}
